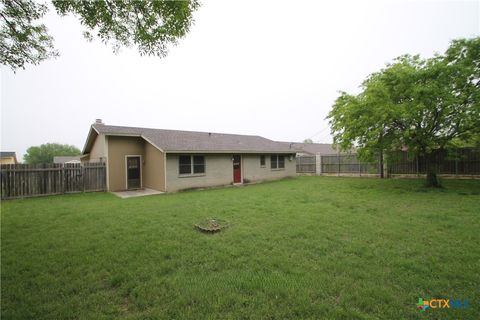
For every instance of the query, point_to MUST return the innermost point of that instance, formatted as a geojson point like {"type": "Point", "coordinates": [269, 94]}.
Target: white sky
{"type": "Point", "coordinates": [269, 68]}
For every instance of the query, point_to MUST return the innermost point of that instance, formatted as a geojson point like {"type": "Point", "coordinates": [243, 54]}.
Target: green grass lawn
{"type": "Point", "coordinates": [303, 248]}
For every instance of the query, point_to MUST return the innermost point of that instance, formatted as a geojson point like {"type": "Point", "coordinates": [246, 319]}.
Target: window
{"type": "Point", "coordinates": [185, 164]}
{"type": "Point", "coordinates": [191, 165]}
{"type": "Point", "coordinates": [281, 162]}
{"type": "Point", "coordinates": [277, 161]}
{"type": "Point", "coordinates": [273, 161]}
{"type": "Point", "coordinates": [262, 161]}
{"type": "Point", "coordinates": [198, 164]}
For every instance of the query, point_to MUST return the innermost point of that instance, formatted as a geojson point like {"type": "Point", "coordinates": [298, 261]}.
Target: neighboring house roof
{"type": "Point", "coordinates": [314, 148]}
{"type": "Point", "coordinates": [317, 148]}
{"type": "Point", "coordinates": [191, 141]}
{"type": "Point", "coordinates": [5, 154]}
{"type": "Point", "coordinates": [66, 159]}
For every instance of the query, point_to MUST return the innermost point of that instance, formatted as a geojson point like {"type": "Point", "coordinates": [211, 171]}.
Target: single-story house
{"type": "Point", "coordinates": [66, 159]}
{"type": "Point", "coordinates": [8, 157]}
{"type": "Point", "coordinates": [172, 160]}
{"type": "Point", "coordinates": [309, 149]}
{"type": "Point", "coordinates": [315, 148]}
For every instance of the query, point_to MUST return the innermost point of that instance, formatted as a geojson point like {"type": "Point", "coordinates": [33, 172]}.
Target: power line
{"type": "Point", "coordinates": [318, 132]}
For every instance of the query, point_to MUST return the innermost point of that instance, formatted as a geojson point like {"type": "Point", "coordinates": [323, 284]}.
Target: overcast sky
{"type": "Point", "coordinates": [269, 68]}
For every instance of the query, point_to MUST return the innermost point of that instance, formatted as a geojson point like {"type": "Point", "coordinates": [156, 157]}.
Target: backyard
{"type": "Point", "coordinates": [301, 248]}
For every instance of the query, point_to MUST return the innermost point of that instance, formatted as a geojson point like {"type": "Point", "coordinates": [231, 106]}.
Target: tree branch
{"type": "Point", "coordinates": [10, 25]}
{"type": "Point", "coordinates": [28, 14]}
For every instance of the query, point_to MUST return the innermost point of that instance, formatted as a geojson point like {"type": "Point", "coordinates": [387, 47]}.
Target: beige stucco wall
{"type": "Point", "coordinates": [219, 171]}
{"type": "Point", "coordinates": [7, 160]}
{"type": "Point", "coordinates": [154, 166]}
{"type": "Point", "coordinates": [98, 151]}
{"type": "Point", "coordinates": [253, 172]}
{"type": "Point", "coordinates": [118, 148]}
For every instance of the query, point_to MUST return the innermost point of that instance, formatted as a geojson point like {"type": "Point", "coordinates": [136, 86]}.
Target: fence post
{"type": "Point", "coordinates": [318, 164]}
{"type": "Point", "coordinates": [339, 166]}
{"type": "Point", "coordinates": [417, 165]}
{"type": "Point", "coordinates": [83, 171]}
{"type": "Point", "coordinates": [456, 162]}
{"type": "Point", "coordinates": [62, 177]}
{"type": "Point", "coordinates": [384, 168]}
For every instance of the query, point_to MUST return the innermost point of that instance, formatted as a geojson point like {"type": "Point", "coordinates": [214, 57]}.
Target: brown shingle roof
{"type": "Point", "coordinates": [185, 141]}
{"type": "Point", "coordinates": [315, 148]}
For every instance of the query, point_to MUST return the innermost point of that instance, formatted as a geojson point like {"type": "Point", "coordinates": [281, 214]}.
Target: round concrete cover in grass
{"type": "Point", "coordinates": [211, 225]}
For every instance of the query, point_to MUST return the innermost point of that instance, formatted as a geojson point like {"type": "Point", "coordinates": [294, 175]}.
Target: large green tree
{"type": "Point", "coordinates": [420, 104]}
{"type": "Point", "coordinates": [150, 26]}
{"type": "Point", "coordinates": [45, 152]}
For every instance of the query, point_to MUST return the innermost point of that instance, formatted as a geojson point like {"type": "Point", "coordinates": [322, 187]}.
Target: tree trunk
{"type": "Point", "coordinates": [432, 180]}
{"type": "Point", "coordinates": [432, 169]}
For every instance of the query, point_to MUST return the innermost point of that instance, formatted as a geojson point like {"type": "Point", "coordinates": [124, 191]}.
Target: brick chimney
{"type": "Point", "coordinates": [99, 121]}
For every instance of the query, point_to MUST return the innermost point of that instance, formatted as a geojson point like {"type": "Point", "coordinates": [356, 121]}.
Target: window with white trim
{"type": "Point", "coordinates": [185, 164]}
{"type": "Point", "coordinates": [281, 162]}
{"type": "Point", "coordinates": [198, 164]}
{"type": "Point", "coordinates": [189, 164]}
{"type": "Point", "coordinates": [262, 161]}
{"type": "Point", "coordinates": [277, 161]}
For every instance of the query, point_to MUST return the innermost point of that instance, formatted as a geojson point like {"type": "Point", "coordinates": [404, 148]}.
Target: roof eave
{"type": "Point", "coordinates": [89, 137]}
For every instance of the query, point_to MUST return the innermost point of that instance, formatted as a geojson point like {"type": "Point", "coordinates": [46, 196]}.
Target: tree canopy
{"type": "Point", "coordinates": [150, 26]}
{"type": "Point", "coordinates": [45, 152]}
{"type": "Point", "coordinates": [415, 103]}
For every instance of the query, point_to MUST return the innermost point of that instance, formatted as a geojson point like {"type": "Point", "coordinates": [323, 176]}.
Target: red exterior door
{"type": "Point", "coordinates": [237, 169]}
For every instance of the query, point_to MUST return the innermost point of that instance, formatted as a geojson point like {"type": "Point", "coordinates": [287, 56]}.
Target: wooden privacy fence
{"type": "Point", "coordinates": [306, 164]}
{"type": "Point", "coordinates": [462, 162]}
{"type": "Point", "coordinates": [22, 180]}
{"type": "Point", "coordinates": [348, 163]}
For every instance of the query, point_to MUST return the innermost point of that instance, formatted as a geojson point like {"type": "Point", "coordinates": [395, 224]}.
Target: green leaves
{"type": "Point", "coordinates": [45, 152]}
{"type": "Point", "coordinates": [23, 39]}
{"type": "Point", "coordinates": [149, 26]}
{"type": "Point", "coordinates": [421, 104]}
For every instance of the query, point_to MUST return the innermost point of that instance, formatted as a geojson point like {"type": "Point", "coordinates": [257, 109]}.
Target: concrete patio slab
{"type": "Point", "coordinates": [136, 193]}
